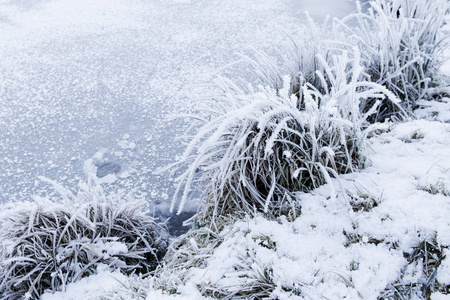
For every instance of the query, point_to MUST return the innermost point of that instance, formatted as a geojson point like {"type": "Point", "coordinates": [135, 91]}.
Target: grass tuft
{"type": "Point", "coordinates": [401, 46]}
{"type": "Point", "coordinates": [253, 150]}
{"type": "Point", "coordinates": [47, 245]}
{"type": "Point", "coordinates": [362, 200]}
{"type": "Point", "coordinates": [190, 250]}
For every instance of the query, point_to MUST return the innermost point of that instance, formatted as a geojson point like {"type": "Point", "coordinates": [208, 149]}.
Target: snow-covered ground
{"type": "Point", "coordinates": [88, 86]}
{"type": "Point", "coordinates": [350, 246]}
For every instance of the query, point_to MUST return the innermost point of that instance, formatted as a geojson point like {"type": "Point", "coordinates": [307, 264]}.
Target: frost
{"type": "Point", "coordinates": [84, 83]}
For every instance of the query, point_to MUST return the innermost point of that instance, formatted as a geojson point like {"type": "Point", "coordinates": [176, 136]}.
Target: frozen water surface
{"type": "Point", "coordinates": [92, 83]}
{"type": "Point", "coordinates": [319, 9]}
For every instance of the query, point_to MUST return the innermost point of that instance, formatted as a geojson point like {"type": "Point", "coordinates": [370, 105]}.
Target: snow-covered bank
{"type": "Point", "coordinates": [379, 232]}
{"type": "Point", "coordinates": [383, 232]}
{"type": "Point", "coordinates": [359, 245]}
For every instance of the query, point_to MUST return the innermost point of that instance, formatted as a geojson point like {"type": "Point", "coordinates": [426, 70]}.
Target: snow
{"type": "Point", "coordinates": [90, 84]}
{"type": "Point", "coordinates": [444, 270]}
{"type": "Point", "coordinates": [94, 287]}
{"type": "Point", "coordinates": [439, 296]}
{"type": "Point", "coordinates": [315, 250]}
{"type": "Point", "coordinates": [333, 250]}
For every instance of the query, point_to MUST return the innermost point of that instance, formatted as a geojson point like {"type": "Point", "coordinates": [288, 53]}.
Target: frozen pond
{"type": "Point", "coordinates": [318, 9]}
{"type": "Point", "coordinates": [89, 85]}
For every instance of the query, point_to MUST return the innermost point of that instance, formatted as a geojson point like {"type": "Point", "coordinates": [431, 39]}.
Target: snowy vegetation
{"type": "Point", "coordinates": [48, 243]}
{"type": "Point", "coordinates": [264, 153]}
{"type": "Point", "coordinates": [401, 47]}
{"type": "Point", "coordinates": [321, 183]}
{"type": "Point", "coordinates": [309, 119]}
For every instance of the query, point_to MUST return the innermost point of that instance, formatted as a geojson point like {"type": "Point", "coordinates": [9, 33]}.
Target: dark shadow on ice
{"type": "Point", "coordinates": [175, 223]}
{"type": "Point", "coordinates": [108, 168]}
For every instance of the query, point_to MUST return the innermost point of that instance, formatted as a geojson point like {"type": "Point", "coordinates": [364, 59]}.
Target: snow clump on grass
{"type": "Point", "coordinates": [46, 245]}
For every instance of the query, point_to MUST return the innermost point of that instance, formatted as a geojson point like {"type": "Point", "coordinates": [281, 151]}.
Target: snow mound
{"type": "Point", "coordinates": [101, 284]}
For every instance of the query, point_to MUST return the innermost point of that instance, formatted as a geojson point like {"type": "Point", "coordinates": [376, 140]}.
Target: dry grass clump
{"type": "Point", "coordinates": [434, 189]}
{"type": "Point", "coordinates": [253, 150]}
{"type": "Point", "coordinates": [247, 277]}
{"type": "Point", "coordinates": [301, 60]}
{"type": "Point", "coordinates": [401, 47]}
{"type": "Point", "coordinates": [361, 200]}
{"type": "Point", "coordinates": [46, 245]}
{"type": "Point", "coordinates": [250, 278]}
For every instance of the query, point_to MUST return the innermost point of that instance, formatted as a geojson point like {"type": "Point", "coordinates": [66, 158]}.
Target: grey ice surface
{"type": "Point", "coordinates": [95, 82]}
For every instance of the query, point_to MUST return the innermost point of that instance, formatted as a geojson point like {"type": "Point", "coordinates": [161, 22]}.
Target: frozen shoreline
{"type": "Point", "coordinates": [86, 90]}
{"type": "Point", "coordinates": [81, 80]}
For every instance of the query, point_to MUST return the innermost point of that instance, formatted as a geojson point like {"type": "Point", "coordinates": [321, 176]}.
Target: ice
{"type": "Point", "coordinates": [87, 89]}
{"type": "Point", "coordinates": [79, 79]}
{"type": "Point", "coordinates": [319, 9]}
